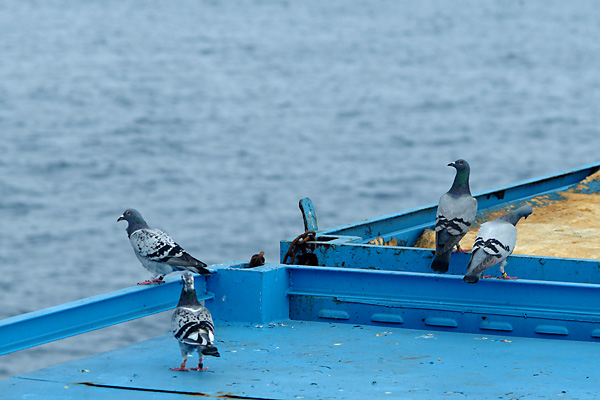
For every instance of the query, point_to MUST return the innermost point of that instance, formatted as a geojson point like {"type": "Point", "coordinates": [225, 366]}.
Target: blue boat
{"type": "Point", "coordinates": [352, 312]}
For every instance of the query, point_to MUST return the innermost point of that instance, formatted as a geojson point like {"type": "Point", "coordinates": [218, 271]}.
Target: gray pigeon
{"type": "Point", "coordinates": [455, 214]}
{"type": "Point", "coordinates": [157, 252]}
{"type": "Point", "coordinates": [192, 326]}
{"type": "Point", "coordinates": [495, 241]}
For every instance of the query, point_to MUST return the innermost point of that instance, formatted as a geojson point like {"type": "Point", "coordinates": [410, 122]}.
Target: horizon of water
{"type": "Point", "coordinates": [214, 118]}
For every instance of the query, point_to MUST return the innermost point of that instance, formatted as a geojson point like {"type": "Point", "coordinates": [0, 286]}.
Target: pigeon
{"type": "Point", "coordinates": [455, 214]}
{"type": "Point", "coordinates": [157, 252]}
{"type": "Point", "coordinates": [495, 241]}
{"type": "Point", "coordinates": [192, 326]}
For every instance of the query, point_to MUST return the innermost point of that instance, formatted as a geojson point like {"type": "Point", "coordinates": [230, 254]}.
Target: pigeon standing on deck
{"type": "Point", "coordinates": [495, 241]}
{"type": "Point", "coordinates": [157, 252]}
{"type": "Point", "coordinates": [192, 326]}
{"type": "Point", "coordinates": [455, 214]}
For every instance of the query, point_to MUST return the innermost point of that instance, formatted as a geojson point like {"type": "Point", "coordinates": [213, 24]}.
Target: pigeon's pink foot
{"type": "Point", "coordinates": [154, 281]}
{"type": "Point", "coordinates": [485, 276]}
{"type": "Point", "coordinates": [199, 368]}
{"type": "Point", "coordinates": [150, 283]}
{"type": "Point", "coordinates": [180, 369]}
{"type": "Point", "coordinates": [507, 277]}
{"type": "Point", "coordinates": [464, 250]}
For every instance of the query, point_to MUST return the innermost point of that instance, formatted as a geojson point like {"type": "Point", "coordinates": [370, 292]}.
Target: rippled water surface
{"type": "Point", "coordinates": [214, 118]}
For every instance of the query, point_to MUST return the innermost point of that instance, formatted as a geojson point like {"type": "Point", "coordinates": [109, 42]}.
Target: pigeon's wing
{"type": "Point", "coordinates": [497, 238]}
{"type": "Point", "coordinates": [453, 220]}
{"type": "Point", "coordinates": [456, 214]}
{"type": "Point", "coordinates": [185, 260]}
{"type": "Point", "coordinates": [155, 245]}
{"type": "Point", "coordinates": [193, 326]}
{"type": "Point", "coordinates": [496, 241]}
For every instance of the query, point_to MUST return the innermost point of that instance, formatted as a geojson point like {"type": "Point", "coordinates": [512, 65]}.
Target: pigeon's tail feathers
{"type": "Point", "coordinates": [447, 239]}
{"type": "Point", "coordinates": [479, 262]}
{"type": "Point", "coordinates": [186, 261]}
{"type": "Point", "coordinates": [441, 262]}
{"type": "Point", "coordinates": [211, 351]}
{"type": "Point", "coordinates": [471, 278]}
{"type": "Point", "coordinates": [195, 261]}
{"type": "Point", "coordinates": [199, 270]}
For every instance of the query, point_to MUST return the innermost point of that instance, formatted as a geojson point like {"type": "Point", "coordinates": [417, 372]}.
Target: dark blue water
{"type": "Point", "coordinates": [214, 118]}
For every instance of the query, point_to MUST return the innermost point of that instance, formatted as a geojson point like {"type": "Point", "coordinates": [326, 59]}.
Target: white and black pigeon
{"type": "Point", "coordinates": [494, 243]}
{"type": "Point", "coordinates": [157, 252]}
{"type": "Point", "coordinates": [455, 214]}
{"type": "Point", "coordinates": [192, 326]}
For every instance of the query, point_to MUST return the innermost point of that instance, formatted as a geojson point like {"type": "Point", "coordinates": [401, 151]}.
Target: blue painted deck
{"type": "Point", "coordinates": [310, 332]}
{"type": "Point", "coordinates": [369, 322]}
{"type": "Point", "coordinates": [317, 360]}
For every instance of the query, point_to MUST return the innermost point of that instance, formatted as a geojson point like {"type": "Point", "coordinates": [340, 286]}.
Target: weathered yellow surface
{"type": "Point", "coordinates": [569, 227]}
{"type": "Point", "coordinates": [379, 240]}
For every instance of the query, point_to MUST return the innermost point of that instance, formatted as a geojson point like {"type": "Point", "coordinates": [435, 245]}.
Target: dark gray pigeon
{"type": "Point", "coordinates": [455, 214]}
{"type": "Point", "coordinates": [192, 326]}
{"type": "Point", "coordinates": [157, 252]}
{"type": "Point", "coordinates": [495, 241]}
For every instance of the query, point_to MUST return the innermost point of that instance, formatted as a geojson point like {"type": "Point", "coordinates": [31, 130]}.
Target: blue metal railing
{"type": "Point", "coordinates": [276, 292]}
{"type": "Point", "coordinates": [81, 316]}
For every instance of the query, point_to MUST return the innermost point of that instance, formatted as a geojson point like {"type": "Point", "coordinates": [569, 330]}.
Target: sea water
{"type": "Point", "coordinates": [214, 118]}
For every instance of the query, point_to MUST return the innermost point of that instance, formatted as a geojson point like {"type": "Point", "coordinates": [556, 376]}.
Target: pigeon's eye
{"type": "Point", "coordinates": [460, 162]}
{"type": "Point", "coordinates": [128, 213]}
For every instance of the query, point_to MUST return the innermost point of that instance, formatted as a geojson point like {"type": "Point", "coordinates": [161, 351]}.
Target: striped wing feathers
{"type": "Point", "coordinates": [193, 326]}
{"type": "Point", "coordinates": [155, 245]}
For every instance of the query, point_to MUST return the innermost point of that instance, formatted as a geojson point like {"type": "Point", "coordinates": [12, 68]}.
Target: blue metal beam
{"type": "Point", "coordinates": [54, 323]}
{"type": "Point", "coordinates": [451, 290]}
{"type": "Point", "coordinates": [422, 301]}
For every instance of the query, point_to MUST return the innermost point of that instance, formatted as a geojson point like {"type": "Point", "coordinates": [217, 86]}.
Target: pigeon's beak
{"type": "Point", "coordinates": [121, 218]}
{"type": "Point", "coordinates": [451, 164]}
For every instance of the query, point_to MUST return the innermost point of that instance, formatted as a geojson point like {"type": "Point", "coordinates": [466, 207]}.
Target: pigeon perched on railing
{"type": "Point", "coordinates": [494, 243]}
{"type": "Point", "coordinates": [455, 214]}
{"type": "Point", "coordinates": [192, 326]}
{"type": "Point", "coordinates": [157, 252]}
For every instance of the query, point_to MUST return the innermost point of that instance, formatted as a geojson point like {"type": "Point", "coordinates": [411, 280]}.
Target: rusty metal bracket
{"type": "Point", "coordinates": [299, 248]}
{"type": "Point", "coordinates": [301, 251]}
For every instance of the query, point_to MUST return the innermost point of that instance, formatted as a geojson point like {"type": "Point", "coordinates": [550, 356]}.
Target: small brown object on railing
{"type": "Point", "coordinates": [257, 260]}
